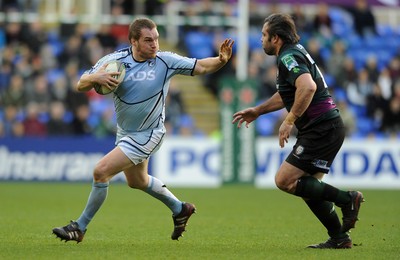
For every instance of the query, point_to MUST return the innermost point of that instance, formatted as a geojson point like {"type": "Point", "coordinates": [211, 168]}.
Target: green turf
{"type": "Point", "coordinates": [233, 222]}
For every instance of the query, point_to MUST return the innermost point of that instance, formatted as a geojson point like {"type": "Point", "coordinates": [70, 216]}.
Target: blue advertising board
{"type": "Point", "coordinates": [191, 162]}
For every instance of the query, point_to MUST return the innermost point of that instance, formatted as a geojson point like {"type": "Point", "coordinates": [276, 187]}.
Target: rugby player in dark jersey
{"type": "Point", "coordinates": [301, 89]}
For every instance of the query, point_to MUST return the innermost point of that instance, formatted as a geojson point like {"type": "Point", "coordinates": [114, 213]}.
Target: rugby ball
{"type": "Point", "coordinates": [113, 66]}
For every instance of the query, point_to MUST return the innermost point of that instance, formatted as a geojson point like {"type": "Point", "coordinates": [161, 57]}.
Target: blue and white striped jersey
{"type": "Point", "coordinates": [140, 98]}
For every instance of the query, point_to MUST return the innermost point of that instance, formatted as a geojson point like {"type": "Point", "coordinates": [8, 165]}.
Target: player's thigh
{"type": "Point", "coordinates": [137, 175]}
{"type": "Point", "coordinates": [111, 164]}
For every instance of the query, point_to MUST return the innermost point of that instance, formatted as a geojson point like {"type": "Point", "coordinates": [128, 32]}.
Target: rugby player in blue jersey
{"type": "Point", "coordinates": [139, 104]}
{"type": "Point", "coordinates": [302, 90]}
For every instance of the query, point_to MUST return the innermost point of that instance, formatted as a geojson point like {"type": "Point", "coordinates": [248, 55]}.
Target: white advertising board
{"type": "Point", "coordinates": [359, 164]}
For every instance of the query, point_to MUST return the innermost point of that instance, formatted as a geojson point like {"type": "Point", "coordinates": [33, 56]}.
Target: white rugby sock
{"type": "Point", "coordinates": [158, 190]}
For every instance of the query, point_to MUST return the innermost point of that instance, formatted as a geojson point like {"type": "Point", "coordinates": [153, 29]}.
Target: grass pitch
{"type": "Point", "coordinates": [233, 222]}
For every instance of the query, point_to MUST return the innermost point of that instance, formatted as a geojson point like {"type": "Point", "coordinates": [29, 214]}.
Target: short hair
{"type": "Point", "coordinates": [137, 25]}
{"type": "Point", "coordinates": [283, 26]}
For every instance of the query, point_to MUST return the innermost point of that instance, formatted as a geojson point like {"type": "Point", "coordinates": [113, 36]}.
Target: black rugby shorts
{"type": "Point", "coordinates": [316, 148]}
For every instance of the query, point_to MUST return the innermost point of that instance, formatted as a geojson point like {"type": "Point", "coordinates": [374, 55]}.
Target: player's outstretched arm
{"type": "Point", "coordinates": [212, 64]}
{"type": "Point", "coordinates": [250, 114]}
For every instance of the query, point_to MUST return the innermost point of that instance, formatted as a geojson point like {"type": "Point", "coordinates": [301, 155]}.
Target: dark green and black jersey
{"type": "Point", "coordinates": [293, 60]}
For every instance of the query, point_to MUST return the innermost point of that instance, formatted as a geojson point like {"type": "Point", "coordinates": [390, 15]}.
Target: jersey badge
{"type": "Point", "coordinates": [299, 150]}
{"type": "Point", "coordinates": [289, 61]}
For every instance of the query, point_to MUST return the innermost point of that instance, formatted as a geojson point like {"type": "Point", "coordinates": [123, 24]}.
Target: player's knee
{"type": "Point", "coordinates": [284, 184]}
{"type": "Point", "coordinates": [280, 184]}
{"type": "Point", "coordinates": [100, 173]}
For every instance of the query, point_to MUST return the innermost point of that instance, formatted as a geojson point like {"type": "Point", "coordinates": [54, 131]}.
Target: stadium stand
{"type": "Point", "coordinates": [57, 57]}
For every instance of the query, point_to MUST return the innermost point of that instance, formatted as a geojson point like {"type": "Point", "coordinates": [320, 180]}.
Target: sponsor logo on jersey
{"type": "Point", "coordinates": [289, 61]}
{"type": "Point", "coordinates": [142, 75]}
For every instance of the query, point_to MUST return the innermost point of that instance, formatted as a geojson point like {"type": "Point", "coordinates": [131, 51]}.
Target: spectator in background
{"type": "Point", "coordinates": [73, 51]}
{"type": "Point", "coordinates": [74, 99]}
{"type": "Point", "coordinates": [394, 68]}
{"type": "Point", "coordinates": [376, 104]}
{"type": "Point", "coordinates": [80, 122]}
{"type": "Point", "coordinates": [94, 50]}
{"type": "Point", "coordinates": [14, 94]}
{"type": "Point", "coordinates": [118, 31]}
{"type": "Point", "coordinates": [364, 19]}
{"type": "Point", "coordinates": [371, 65]}
{"type": "Point", "coordinates": [14, 34]}
{"type": "Point", "coordinates": [34, 127]}
{"type": "Point", "coordinates": [47, 57]}
{"type": "Point", "coordinates": [349, 119]}
{"type": "Point", "coordinates": [5, 75]}
{"type": "Point", "coordinates": [300, 19]}
{"type": "Point", "coordinates": [35, 36]}
{"type": "Point", "coordinates": [59, 89]}
{"type": "Point", "coordinates": [334, 64]}
{"type": "Point", "coordinates": [322, 23]}
{"type": "Point", "coordinates": [40, 93]}
{"type": "Point", "coordinates": [314, 49]}
{"type": "Point", "coordinates": [106, 39]}
{"type": "Point", "coordinates": [25, 63]}
{"type": "Point", "coordinates": [10, 124]}
{"type": "Point", "coordinates": [263, 70]}
{"type": "Point", "coordinates": [385, 84]}
{"type": "Point", "coordinates": [56, 125]}
{"type": "Point", "coordinates": [348, 73]}
{"type": "Point", "coordinates": [358, 91]}
{"type": "Point", "coordinates": [391, 116]}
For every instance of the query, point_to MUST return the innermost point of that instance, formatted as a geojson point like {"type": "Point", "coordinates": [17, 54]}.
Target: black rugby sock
{"type": "Point", "coordinates": [311, 188]}
{"type": "Point", "coordinates": [326, 213]}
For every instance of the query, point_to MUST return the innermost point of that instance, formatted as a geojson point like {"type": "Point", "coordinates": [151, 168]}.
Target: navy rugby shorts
{"type": "Point", "coordinates": [316, 148]}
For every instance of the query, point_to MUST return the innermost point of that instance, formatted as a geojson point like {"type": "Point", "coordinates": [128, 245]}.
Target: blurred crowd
{"type": "Point", "coordinates": [39, 68]}
{"type": "Point", "coordinates": [360, 60]}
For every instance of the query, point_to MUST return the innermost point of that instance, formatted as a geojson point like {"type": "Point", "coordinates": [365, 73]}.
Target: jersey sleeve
{"type": "Point", "coordinates": [178, 64]}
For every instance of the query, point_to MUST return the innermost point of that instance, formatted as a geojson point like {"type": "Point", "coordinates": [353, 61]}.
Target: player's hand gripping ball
{"type": "Point", "coordinates": [113, 66]}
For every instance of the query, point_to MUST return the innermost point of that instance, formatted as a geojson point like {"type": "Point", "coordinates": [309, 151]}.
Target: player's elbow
{"type": "Point", "coordinates": [308, 86]}
{"type": "Point", "coordinates": [312, 87]}
{"type": "Point", "coordinates": [78, 86]}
